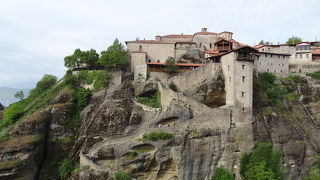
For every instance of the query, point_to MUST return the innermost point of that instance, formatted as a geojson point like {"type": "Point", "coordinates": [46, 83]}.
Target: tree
{"type": "Point", "coordinates": [90, 58]}
{"type": "Point", "coordinates": [114, 56]}
{"type": "Point", "coordinates": [46, 82]}
{"type": "Point", "coordinates": [222, 174]}
{"type": "Point", "coordinates": [19, 95]}
{"type": "Point", "coordinates": [171, 66]}
{"type": "Point", "coordinates": [74, 60]}
{"type": "Point", "coordinates": [294, 40]}
{"type": "Point", "coordinates": [258, 171]}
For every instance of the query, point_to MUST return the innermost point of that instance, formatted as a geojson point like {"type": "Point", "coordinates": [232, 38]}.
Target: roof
{"type": "Point", "coordinates": [185, 42]}
{"type": "Point", "coordinates": [176, 36]}
{"type": "Point", "coordinates": [223, 40]}
{"type": "Point", "coordinates": [148, 42]}
{"type": "Point", "coordinates": [274, 53]}
{"type": "Point", "coordinates": [205, 33]}
{"type": "Point", "coordinates": [226, 32]}
{"type": "Point", "coordinates": [178, 64]}
{"type": "Point", "coordinates": [211, 52]}
{"type": "Point", "coordinates": [315, 52]}
{"type": "Point", "coordinates": [225, 53]}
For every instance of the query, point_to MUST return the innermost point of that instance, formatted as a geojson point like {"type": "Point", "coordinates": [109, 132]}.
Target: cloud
{"type": "Point", "coordinates": [36, 35]}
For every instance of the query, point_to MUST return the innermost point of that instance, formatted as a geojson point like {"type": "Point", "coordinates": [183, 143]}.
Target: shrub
{"type": "Point", "coordinates": [295, 78]}
{"type": "Point", "coordinates": [13, 113]}
{"type": "Point", "coordinates": [65, 168]}
{"type": "Point", "coordinates": [122, 176]}
{"type": "Point", "coordinates": [156, 136]}
{"type": "Point", "coordinates": [99, 78]}
{"type": "Point", "coordinates": [44, 84]}
{"type": "Point", "coordinates": [170, 66]}
{"type": "Point", "coordinates": [82, 97]}
{"type": "Point", "coordinates": [292, 97]}
{"type": "Point", "coordinates": [262, 160]}
{"type": "Point", "coordinates": [222, 174]}
{"type": "Point", "coordinates": [314, 173]}
{"type": "Point", "coordinates": [314, 75]}
{"type": "Point", "coordinates": [153, 101]}
{"type": "Point", "coordinates": [173, 87]}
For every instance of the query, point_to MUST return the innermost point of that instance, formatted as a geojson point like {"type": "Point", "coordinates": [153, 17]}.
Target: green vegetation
{"type": "Point", "coordinates": [294, 40]}
{"type": "Point", "coordinates": [122, 176]}
{"type": "Point", "coordinates": [82, 58]}
{"type": "Point", "coordinates": [193, 132]}
{"type": "Point", "coordinates": [153, 101]}
{"type": "Point", "coordinates": [269, 91]}
{"type": "Point", "coordinates": [261, 163]}
{"type": "Point", "coordinates": [44, 84]}
{"type": "Point", "coordinates": [156, 136]}
{"type": "Point", "coordinates": [294, 78]}
{"type": "Point", "coordinates": [114, 56]}
{"type": "Point", "coordinates": [314, 75]}
{"type": "Point", "coordinates": [99, 78]}
{"type": "Point", "coordinates": [82, 97]}
{"type": "Point", "coordinates": [19, 94]}
{"type": "Point", "coordinates": [131, 154]}
{"type": "Point", "coordinates": [222, 174]}
{"type": "Point", "coordinates": [65, 169]}
{"type": "Point", "coordinates": [171, 67]}
{"type": "Point", "coordinates": [173, 86]}
{"type": "Point", "coordinates": [13, 113]}
{"type": "Point", "coordinates": [292, 97]}
{"type": "Point", "coordinates": [314, 173]}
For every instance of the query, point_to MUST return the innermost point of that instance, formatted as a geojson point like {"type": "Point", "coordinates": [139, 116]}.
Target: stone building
{"type": "Point", "coordinates": [276, 63]}
{"type": "Point", "coordinates": [188, 49]}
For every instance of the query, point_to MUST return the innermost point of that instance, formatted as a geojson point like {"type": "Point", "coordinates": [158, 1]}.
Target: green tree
{"type": "Point", "coordinates": [19, 95]}
{"type": "Point", "coordinates": [114, 56]}
{"type": "Point", "coordinates": [74, 60]}
{"type": "Point", "coordinates": [45, 83]}
{"type": "Point", "coordinates": [222, 174]}
{"type": "Point", "coordinates": [171, 66]}
{"type": "Point", "coordinates": [90, 58]}
{"type": "Point", "coordinates": [294, 40]}
{"type": "Point", "coordinates": [262, 163]}
{"type": "Point", "coordinates": [65, 169]}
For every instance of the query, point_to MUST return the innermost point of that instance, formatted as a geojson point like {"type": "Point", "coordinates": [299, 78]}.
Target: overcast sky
{"type": "Point", "coordinates": [35, 35]}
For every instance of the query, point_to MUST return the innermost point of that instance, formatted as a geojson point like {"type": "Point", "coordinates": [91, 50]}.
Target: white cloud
{"type": "Point", "coordinates": [35, 35]}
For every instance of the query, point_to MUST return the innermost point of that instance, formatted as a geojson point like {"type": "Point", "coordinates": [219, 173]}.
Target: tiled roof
{"type": "Point", "coordinates": [148, 42]}
{"type": "Point", "coordinates": [177, 36]}
{"type": "Point", "coordinates": [315, 52]}
{"type": "Point", "coordinates": [205, 33]}
{"type": "Point", "coordinates": [226, 32]}
{"type": "Point", "coordinates": [211, 52]}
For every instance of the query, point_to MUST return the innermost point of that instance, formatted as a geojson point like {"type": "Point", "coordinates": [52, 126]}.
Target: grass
{"type": "Point", "coordinates": [11, 164]}
{"type": "Point", "coordinates": [156, 136]}
{"type": "Point", "coordinates": [294, 78]}
{"type": "Point", "coordinates": [154, 101]}
{"type": "Point", "coordinates": [98, 78]}
{"type": "Point", "coordinates": [314, 75]}
{"type": "Point", "coordinates": [122, 176]}
{"type": "Point", "coordinates": [20, 142]}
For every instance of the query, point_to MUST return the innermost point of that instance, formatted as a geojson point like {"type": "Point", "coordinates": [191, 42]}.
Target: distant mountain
{"type": "Point", "coordinates": [7, 95]}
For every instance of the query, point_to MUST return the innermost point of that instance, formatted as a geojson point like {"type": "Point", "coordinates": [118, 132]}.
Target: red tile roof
{"type": "Point", "coordinates": [205, 33]}
{"type": "Point", "coordinates": [148, 42]}
{"type": "Point", "coordinates": [177, 36]}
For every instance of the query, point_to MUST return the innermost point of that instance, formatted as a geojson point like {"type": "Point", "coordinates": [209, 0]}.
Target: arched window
{"type": "Point", "coordinates": [140, 48]}
{"type": "Point", "coordinates": [210, 45]}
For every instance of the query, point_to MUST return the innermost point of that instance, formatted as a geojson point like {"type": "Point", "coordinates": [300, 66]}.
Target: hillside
{"type": "Point", "coordinates": [159, 129]}
{"type": "Point", "coordinates": [7, 95]}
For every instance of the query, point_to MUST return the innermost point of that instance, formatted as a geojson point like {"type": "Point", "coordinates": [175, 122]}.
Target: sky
{"type": "Point", "coordinates": [36, 35]}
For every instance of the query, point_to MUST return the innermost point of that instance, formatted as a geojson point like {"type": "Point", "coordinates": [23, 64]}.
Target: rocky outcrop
{"type": "Point", "coordinates": [293, 129]}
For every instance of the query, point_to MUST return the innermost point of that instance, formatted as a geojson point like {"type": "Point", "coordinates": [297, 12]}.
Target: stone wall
{"type": "Point", "coordinates": [173, 40]}
{"type": "Point", "coordinates": [205, 41]}
{"type": "Point", "coordinates": [137, 58]}
{"type": "Point", "coordinates": [276, 64]}
{"type": "Point", "coordinates": [304, 68]}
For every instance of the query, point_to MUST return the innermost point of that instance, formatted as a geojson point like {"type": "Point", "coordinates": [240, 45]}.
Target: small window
{"type": "Point", "coordinates": [243, 109]}
{"type": "Point", "coordinates": [300, 56]}
{"type": "Point", "coordinates": [279, 64]}
{"type": "Point", "coordinates": [271, 55]}
{"type": "Point", "coordinates": [200, 45]}
{"type": "Point", "coordinates": [242, 94]}
{"type": "Point", "coordinates": [283, 57]}
{"type": "Point", "coordinates": [210, 45]}
{"type": "Point", "coordinates": [257, 57]}
{"type": "Point", "coordinates": [149, 60]}
{"type": "Point", "coordinates": [266, 55]}
{"type": "Point", "coordinates": [242, 66]}
{"type": "Point", "coordinates": [281, 71]}
{"type": "Point", "coordinates": [243, 78]}
{"type": "Point", "coordinates": [228, 67]}
{"type": "Point", "coordinates": [158, 61]}
{"type": "Point", "coordinates": [140, 48]}
{"type": "Point", "coordinates": [229, 79]}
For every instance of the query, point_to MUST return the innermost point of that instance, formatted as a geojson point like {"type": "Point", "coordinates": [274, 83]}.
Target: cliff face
{"type": "Point", "coordinates": [294, 129]}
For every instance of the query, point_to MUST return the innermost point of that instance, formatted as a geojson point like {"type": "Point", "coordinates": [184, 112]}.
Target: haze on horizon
{"type": "Point", "coordinates": [36, 35]}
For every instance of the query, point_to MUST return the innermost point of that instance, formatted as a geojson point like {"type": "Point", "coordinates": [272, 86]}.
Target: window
{"type": "Point", "coordinates": [243, 109]}
{"type": "Point", "coordinates": [140, 48]}
{"type": "Point", "coordinates": [283, 57]}
{"type": "Point", "coordinates": [228, 67]}
{"type": "Point", "coordinates": [281, 71]}
{"type": "Point", "coordinates": [300, 56]}
{"type": "Point", "coordinates": [271, 55]}
{"type": "Point", "coordinates": [200, 45]}
{"type": "Point", "coordinates": [149, 60]}
{"type": "Point", "coordinates": [243, 78]}
{"type": "Point", "coordinates": [266, 55]}
{"type": "Point", "coordinates": [242, 94]}
{"type": "Point", "coordinates": [257, 57]}
{"type": "Point", "coordinates": [158, 61]}
{"type": "Point", "coordinates": [242, 66]}
{"type": "Point", "coordinates": [229, 79]}
{"type": "Point", "coordinates": [279, 64]}
{"type": "Point", "coordinates": [210, 45]}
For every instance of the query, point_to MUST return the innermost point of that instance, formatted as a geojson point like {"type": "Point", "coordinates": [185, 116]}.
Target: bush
{"type": "Point", "coordinates": [262, 162]}
{"type": "Point", "coordinates": [83, 97]}
{"type": "Point", "coordinates": [156, 136]}
{"type": "Point", "coordinates": [65, 169]}
{"type": "Point", "coordinates": [295, 78]}
{"type": "Point", "coordinates": [44, 84]}
{"type": "Point", "coordinates": [314, 173]}
{"type": "Point", "coordinates": [222, 174]}
{"type": "Point", "coordinates": [154, 101]}
{"type": "Point", "coordinates": [99, 78]}
{"type": "Point", "coordinates": [314, 75]}
{"type": "Point", "coordinates": [170, 66]}
{"type": "Point", "coordinates": [13, 113]}
{"type": "Point", "coordinates": [173, 87]}
{"type": "Point", "coordinates": [122, 176]}
{"type": "Point", "coordinates": [292, 97]}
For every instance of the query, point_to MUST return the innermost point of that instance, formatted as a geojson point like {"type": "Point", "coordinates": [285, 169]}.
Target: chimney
{"type": "Point", "coordinates": [203, 29]}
